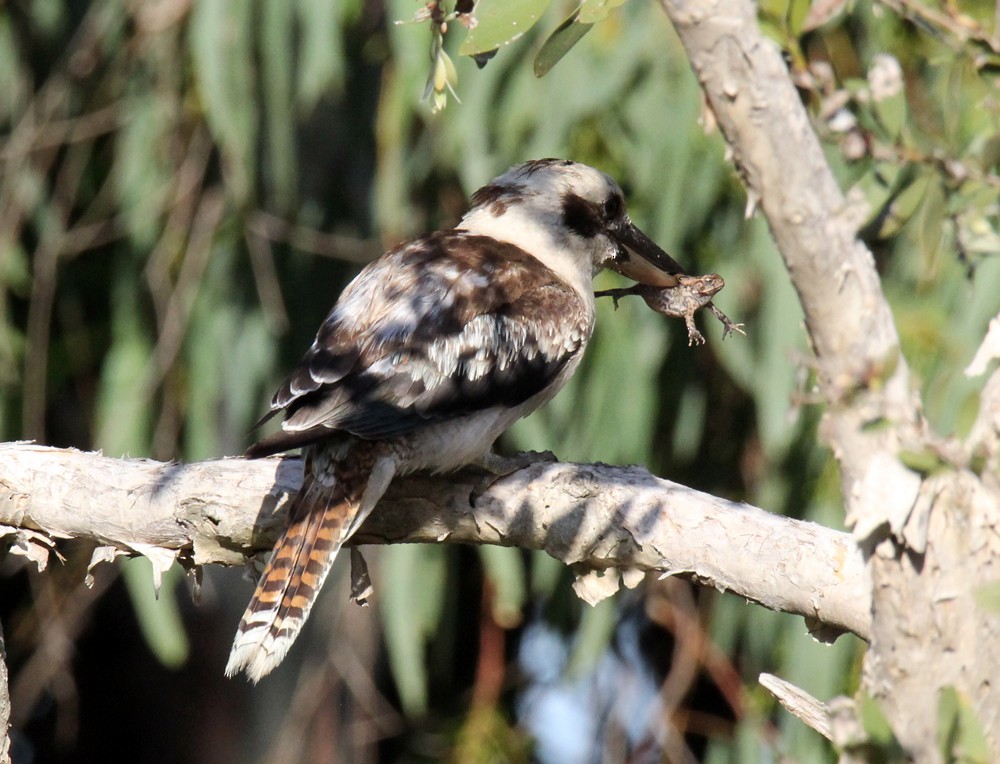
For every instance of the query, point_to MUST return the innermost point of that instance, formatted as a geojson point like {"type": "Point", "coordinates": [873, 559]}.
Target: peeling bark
{"type": "Point", "coordinates": [591, 516]}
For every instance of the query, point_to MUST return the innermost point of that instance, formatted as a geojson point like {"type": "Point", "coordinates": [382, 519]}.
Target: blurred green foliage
{"type": "Point", "coordinates": [185, 188]}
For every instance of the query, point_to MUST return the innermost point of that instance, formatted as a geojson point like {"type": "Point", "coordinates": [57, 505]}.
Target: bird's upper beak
{"type": "Point", "coordinates": [641, 259]}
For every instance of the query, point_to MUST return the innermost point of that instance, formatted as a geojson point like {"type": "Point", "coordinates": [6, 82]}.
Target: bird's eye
{"type": "Point", "coordinates": [613, 207]}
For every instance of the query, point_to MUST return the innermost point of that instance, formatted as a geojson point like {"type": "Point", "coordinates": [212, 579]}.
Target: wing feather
{"type": "Point", "coordinates": [443, 326]}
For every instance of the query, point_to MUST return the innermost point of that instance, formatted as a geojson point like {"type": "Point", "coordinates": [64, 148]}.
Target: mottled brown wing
{"type": "Point", "coordinates": [443, 326]}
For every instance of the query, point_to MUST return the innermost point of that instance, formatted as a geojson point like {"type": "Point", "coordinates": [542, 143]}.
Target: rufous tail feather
{"type": "Point", "coordinates": [320, 520]}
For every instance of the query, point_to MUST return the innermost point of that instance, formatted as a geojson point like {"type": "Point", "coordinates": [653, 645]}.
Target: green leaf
{"type": "Point", "coordinates": [877, 187]}
{"type": "Point", "coordinates": [592, 636]}
{"type": "Point", "coordinates": [414, 578]}
{"type": "Point", "coordinates": [891, 113]}
{"type": "Point", "coordinates": [15, 267]}
{"type": "Point", "coordinates": [546, 573]}
{"type": "Point", "coordinates": [123, 409]}
{"type": "Point", "coordinates": [798, 12]}
{"type": "Point", "coordinates": [278, 43]}
{"type": "Point", "coordinates": [989, 154]}
{"type": "Point", "coordinates": [500, 22]}
{"type": "Point", "coordinates": [960, 733]}
{"type": "Point", "coordinates": [875, 724]}
{"type": "Point", "coordinates": [765, 370]}
{"type": "Point", "coordinates": [690, 423]}
{"type": "Point", "coordinates": [505, 571]}
{"type": "Point", "coordinates": [321, 61]}
{"type": "Point", "coordinates": [593, 11]}
{"type": "Point", "coordinates": [773, 9]}
{"type": "Point", "coordinates": [926, 462]}
{"type": "Point", "coordinates": [980, 234]}
{"type": "Point", "coordinates": [17, 88]}
{"type": "Point", "coordinates": [560, 42]}
{"type": "Point", "coordinates": [221, 34]}
{"type": "Point", "coordinates": [947, 721]}
{"type": "Point", "coordinates": [895, 195]}
{"type": "Point", "coordinates": [932, 218]}
{"type": "Point", "coordinates": [159, 617]}
{"type": "Point", "coordinates": [143, 179]}
{"type": "Point", "coordinates": [47, 17]}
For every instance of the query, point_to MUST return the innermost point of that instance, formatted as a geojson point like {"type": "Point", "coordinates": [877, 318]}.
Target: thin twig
{"type": "Point", "coordinates": [265, 276]}
{"type": "Point", "coordinates": [928, 18]}
{"type": "Point", "coordinates": [60, 132]}
{"type": "Point", "coordinates": [337, 246]}
{"type": "Point", "coordinates": [799, 703]}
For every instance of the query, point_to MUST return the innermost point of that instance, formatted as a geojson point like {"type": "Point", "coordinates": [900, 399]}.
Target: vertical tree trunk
{"type": "Point", "coordinates": [932, 541]}
{"type": "Point", "coordinates": [4, 704]}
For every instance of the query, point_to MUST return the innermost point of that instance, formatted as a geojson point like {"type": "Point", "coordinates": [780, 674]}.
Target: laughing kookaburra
{"type": "Point", "coordinates": [436, 348]}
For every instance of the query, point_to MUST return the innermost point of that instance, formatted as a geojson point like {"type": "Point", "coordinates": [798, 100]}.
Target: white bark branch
{"type": "Point", "coordinates": [591, 516]}
{"type": "Point", "coordinates": [799, 703]}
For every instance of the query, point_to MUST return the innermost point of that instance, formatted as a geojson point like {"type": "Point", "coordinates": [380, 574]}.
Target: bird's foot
{"type": "Point", "coordinates": [496, 467]}
{"type": "Point", "coordinates": [500, 466]}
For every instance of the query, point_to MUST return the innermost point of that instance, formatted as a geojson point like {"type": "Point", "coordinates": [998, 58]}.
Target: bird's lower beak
{"type": "Point", "coordinates": [641, 259]}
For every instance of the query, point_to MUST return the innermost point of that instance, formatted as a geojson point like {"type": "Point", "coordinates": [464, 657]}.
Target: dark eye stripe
{"type": "Point", "coordinates": [582, 217]}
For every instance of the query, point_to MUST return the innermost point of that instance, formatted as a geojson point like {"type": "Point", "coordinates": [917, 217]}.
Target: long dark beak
{"type": "Point", "coordinates": [653, 266]}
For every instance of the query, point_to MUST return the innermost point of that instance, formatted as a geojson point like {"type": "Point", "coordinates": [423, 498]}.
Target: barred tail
{"type": "Point", "coordinates": [320, 520]}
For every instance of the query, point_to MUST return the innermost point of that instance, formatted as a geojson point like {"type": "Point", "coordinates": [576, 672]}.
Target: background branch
{"type": "Point", "coordinates": [592, 516]}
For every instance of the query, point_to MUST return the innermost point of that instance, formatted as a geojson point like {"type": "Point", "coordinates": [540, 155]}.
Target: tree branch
{"type": "Point", "coordinates": [592, 516]}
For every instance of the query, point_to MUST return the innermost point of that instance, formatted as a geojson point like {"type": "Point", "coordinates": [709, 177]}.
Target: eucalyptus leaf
{"type": "Point", "coordinates": [593, 11]}
{"type": "Point", "coordinates": [158, 616]}
{"type": "Point", "coordinates": [278, 43]}
{"type": "Point", "coordinates": [932, 220]}
{"type": "Point", "coordinates": [875, 724]}
{"type": "Point", "coordinates": [17, 86]}
{"type": "Point", "coordinates": [505, 571]}
{"type": "Point", "coordinates": [499, 23]}
{"type": "Point", "coordinates": [903, 206]}
{"type": "Point", "coordinates": [559, 43]}
{"type": "Point", "coordinates": [592, 636]}
{"type": "Point", "coordinates": [223, 65]}
{"type": "Point", "coordinates": [798, 12]}
{"type": "Point", "coordinates": [878, 188]}
{"type": "Point", "coordinates": [925, 461]}
{"type": "Point", "coordinates": [123, 412]}
{"type": "Point", "coordinates": [411, 599]}
{"type": "Point", "coordinates": [892, 113]}
{"type": "Point", "coordinates": [143, 179]}
{"type": "Point", "coordinates": [320, 54]}
{"type": "Point", "coordinates": [960, 733]}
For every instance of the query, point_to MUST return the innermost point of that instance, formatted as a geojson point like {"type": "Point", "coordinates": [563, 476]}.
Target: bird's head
{"type": "Point", "coordinates": [573, 218]}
